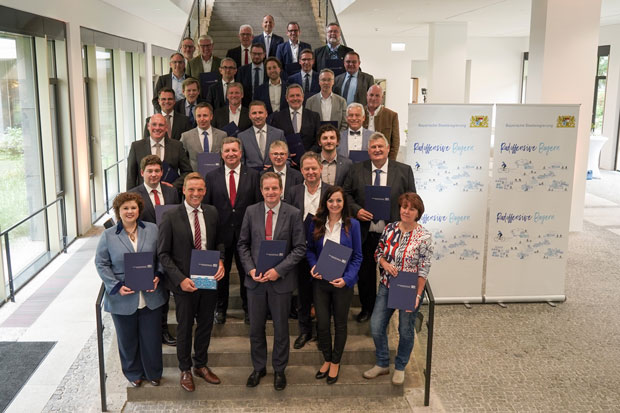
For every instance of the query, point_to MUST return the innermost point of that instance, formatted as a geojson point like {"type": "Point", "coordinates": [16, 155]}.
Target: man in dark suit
{"type": "Point", "coordinates": [307, 78]}
{"type": "Point", "coordinates": [233, 111]}
{"type": "Point", "coordinates": [187, 105]}
{"type": "Point", "coordinates": [333, 49]}
{"type": "Point", "coordinates": [206, 62]}
{"type": "Point", "coordinates": [241, 54]}
{"type": "Point", "coordinates": [253, 75]}
{"type": "Point", "coordinates": [257, 139]}
{"type": "Point", "coordinates": [307, 122]}
{"type": "Point", "coordinates": [231, 189]}
{"type": "Point", "coordinates": [176, 123]}
{"type": "Point", "coordinates": [271, 289]}
{"type": "Point", "coordinates": [187, 48]}
{"type": "Point", "coordinates": [216, 95]}
{"type": "Point", "coordinates": [335, 167]}
{"type": "Point", "coordinates": [278, 154]}
{"type": "Point", "coordinates": [381, 119]}
{"type": "Point", "coordinates": [273, 92]}
{"type": "Point", "coordinates": [306, 197]}
{"type": "Point", "coordinates": [268, 38]}
{"type": "Point", "coordinates": [378, 171]}
{"type": "Point", "coordinates": [158, 144]}
{"type": "Point", "coordinates": [192, 225]}
{"type": "Point", "coordinates": [153, 193]}
{"type": "Point", "coordinates": [173, 80]}
{"type": "Point", "coordinates": [288, 52]}
{"type": "Point", "coordinates": [353, 84]}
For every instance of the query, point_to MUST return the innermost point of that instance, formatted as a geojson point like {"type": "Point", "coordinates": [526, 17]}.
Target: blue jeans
{"type": "Point", "coordinates": [378, 327]}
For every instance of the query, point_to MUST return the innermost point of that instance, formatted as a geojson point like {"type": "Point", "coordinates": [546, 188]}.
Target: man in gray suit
{"type": "Point", "coordinates": [355, 137]}
{"type": "Point", "coordinates": [204, 137]}
{"type": "Point", "coordinates": [377, 171]}
{"type": "Point", "coordinates": [335, 166]}
{"type": "Point", "coordinates": [353, 84]}
{"type": "Point", "coordinates": [257, 139]}
{"type": "Point", "coordinates": [328, 105]}
{"type": "Point", "coordinates": [170, 151]}
{"type": "Point", "coordinates": [206, 62]}
{"type": "Point", "coordinates": [270, 220]}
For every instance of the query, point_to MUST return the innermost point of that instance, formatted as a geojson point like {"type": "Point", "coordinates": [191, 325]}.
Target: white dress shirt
{"type": "Point", "coordinates": [227, 177]}
{"type": "Point", "coordinates": [141, 300]}
{"type": "Point", "coordinates": [206, 64]}
{"type": "Point", "coordinates": [334, 234]}
{"type": "Point", "coordinates": [299, 111]}
{"type": "Point", "coordinates": [162, 149]}
{"type": "Point", "coordinates": [371, 118]}
{"type": "Point", "coordinates": [294, 50]}
{"type": "Point", "coordinates": [311, 201]}
{"type": "Point", "coordinates": [326, 107]}
{"type": "Point", "coordinates": [356, 141]}
{"type": "Point", "coordinates": [234, 117]}
{"type": "Point", "coordinates": [201, 137]}
{"type": "Point", "coordinates": [201, 219]}
{"type": "Point", "coordinates": [149, 191]}
{"type": "Point", "coordinates": [380, 225]}
{"type": "Point", "coordinates": [275, 94]}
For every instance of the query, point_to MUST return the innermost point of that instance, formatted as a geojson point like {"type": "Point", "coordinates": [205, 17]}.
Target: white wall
{"type": "Point", "coordinates": [496, 64]}
{"type": "Point", "coordinates": [610, 35]}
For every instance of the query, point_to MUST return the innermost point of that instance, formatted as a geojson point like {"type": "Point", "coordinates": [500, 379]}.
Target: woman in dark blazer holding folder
{"type": "Point", "coordinates": [333, 222]}
{"type": "Point", "coordinates": [136, 314]}
{"type": "Point", "coordinates": [404, 246]}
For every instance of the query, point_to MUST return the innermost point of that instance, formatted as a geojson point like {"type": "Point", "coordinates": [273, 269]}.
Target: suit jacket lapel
{"type": "Point", "coordinates": [279, 222]}
{"type": "Point", "coordinates": [148, 204]}
{"type": "Point", "coordinates": [368, 172]}
{"type": "Point", "coordinates": [141, 237]}
{"type": "Point", "coordinates": [125, 241]}
{"type": "Point", "coordinates": [255, 143]}
{"type": "Point", "coordinates": [391, 174]}
{"type": "Point", "coordinates": [195, 141]}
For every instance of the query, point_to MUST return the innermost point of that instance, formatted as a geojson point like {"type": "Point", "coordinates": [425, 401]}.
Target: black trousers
{"type": "Point", "coordinates": [260, 299]}
{"type": "Point", "coordinates": [367, 283]}
{"type": "Point", "coordinates": [199, 305]}
{"type": "Point", "coordinates": [139, 344]}
{"type": "Point", "coordinates": [164, 310]}
{"type": "Point", "coordinates": [331, 301]}
{"type": "Point", "coordinates": [304, 301]}
{"type": "Point", "coordinates": [223, 285]}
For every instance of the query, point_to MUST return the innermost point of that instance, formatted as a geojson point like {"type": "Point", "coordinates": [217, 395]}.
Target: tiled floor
{"type": "Point", "coordinates": [526, 357]}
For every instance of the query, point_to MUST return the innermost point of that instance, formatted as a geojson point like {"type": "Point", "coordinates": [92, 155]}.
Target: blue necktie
{"type": "Point", "coordinates": [206, 141]}
{"type": "Point", "coordinates": [345, 91]}
{"type": "Point", "coordinates": [191, 115]}
{"type": "Point", "coordinates": [256, 80]}
{"type": "Point", "coordinates": [377, 177]}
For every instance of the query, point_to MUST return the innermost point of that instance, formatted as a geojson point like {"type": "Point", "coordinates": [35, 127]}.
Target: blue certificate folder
{"type": "Point", "coordinates": [358, 156]}
{"type": "Point", "coordinates": [333, 260]}
{"type": "Point", "coordinates": [403, 290]}
{"type": "Point", "coordinates": [296, 146]}
{"type": "Point", "coordinates": [139, 270]}
{"type": "Point", "coordinates": [208, 161]}
{"type": "Point", "coordinates": [202, 268]}
{"type": "Point", "coordinates": [270, 254]}
{"type": "Point", "coordinates": [161, 209]}
{"type": "Point", "coordinates": [377, 202]}
{"type": "Point", "coordinates": [206, 80]}
{"type": "Point", "coordinates": [231, 129]}
{"type": "Point", "coordinates": [169, 174]}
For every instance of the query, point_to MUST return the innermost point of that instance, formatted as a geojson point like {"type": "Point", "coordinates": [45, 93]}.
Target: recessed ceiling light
{"type": "Point", "coordinates": [398, 47]}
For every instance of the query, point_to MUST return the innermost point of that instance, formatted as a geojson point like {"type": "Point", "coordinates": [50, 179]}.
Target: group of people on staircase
{"type": "Point", "coordinates": [284, 123]}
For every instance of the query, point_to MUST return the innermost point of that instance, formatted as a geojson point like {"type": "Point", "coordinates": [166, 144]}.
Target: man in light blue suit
{"type": "Point", "coordinates": [257, 139]}
{"type": "Point", "coordinates": [355, 137]}
{"type": "Point", "coordinates": [288, 52]}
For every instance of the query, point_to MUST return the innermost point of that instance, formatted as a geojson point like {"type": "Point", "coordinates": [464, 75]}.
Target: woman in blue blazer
{"type": "Point", "coordinates": [333, 222]}
{"type": "Point", "coordinates": [136, 314]}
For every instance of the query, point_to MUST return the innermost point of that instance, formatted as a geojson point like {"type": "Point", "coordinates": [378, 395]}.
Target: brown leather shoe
{"type": "Point", "coordinates": [187, 381]}
{"type": "Point", "coordinates": [207, 374]}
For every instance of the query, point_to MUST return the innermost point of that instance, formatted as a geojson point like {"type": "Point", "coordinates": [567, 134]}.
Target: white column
{"type": "Point", "coordinates": [561, 69]}
{"type": "Point", "coordinates": [447, 53]}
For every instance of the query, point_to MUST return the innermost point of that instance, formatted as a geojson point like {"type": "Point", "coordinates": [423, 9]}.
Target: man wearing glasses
{"type": "Point", "coordinates": [216, 95]}
{"type": "Point", "coordinates": [173, 80]}
{"type": "Point", "coordinates": [241, 54]}
{"type": "Point", "coordinates": [188, 48]}
{"type": "Point", "coordinates": [288, 52]}
{"type": "Point", "coordinates": [206, 62]}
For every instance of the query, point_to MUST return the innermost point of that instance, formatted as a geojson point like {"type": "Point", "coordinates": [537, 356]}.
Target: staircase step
{"type": "Point", "coordinates": [235, 326]}
{"type": "Point", "coordinates": [300, 383]}
{"type": "Point", "coordinates": [235, 352]}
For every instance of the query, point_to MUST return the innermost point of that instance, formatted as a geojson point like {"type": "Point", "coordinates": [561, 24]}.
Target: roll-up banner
{"type": "Point", "coordinates": [448, 148]}
{"type": "Point", "coordinates": [529, 202]}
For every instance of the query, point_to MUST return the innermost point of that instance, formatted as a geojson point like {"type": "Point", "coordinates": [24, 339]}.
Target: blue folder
{"type": "Point", "coordinates": [139, 270]}
{"type": "Point", "coordinates": [208, 161]}
{"type": "Point", "coordinates": [377, 202]}
{"type": "Point", "coordinates": [202, 268]}
{"type": "Point", "coordinates": [334, 123]}
{"type": "Point", "coordinates": [206, 80]}
{"type": "Point", "coordinates": [160, 210]}
{"type": "Point", "coordinates": [169, 174]}
{"type": "Point", "coordinates": [296, 146]}
{"type": "Point", "coordinates": [292, 68]}
{"type": "Point", "coordinates": [336, 65]}
{"type": "Point", "coordinates": [231, 129]}
{"type": "Point", "coordinates": [403, 290]}
{"type": "Point", "coordinates": [333, 260]}
{"type": "Point", "coordinates": [270, 254]}
{"type": "Point", "coordinates": [358, 156]}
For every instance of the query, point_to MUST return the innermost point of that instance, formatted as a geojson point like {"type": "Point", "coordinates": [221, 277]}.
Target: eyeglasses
{"type": "Point", "coordinates": [227, 67]}
{"type": "Point", "coordinates": [245, 34]}
{"type": "Point", "coordinates": [207, 45]}
{"type": "Point", "coordinates": [177, 62]}
{"type": "Point", "coordinates": [279, 154]}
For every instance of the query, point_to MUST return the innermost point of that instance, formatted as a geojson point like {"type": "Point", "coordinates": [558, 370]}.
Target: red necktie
{"type": "Point", "coordinates": [233, 190]}
{"type": "Point", "coordinates": [246, 56]}
{"type": "Point", "coordinates": [197, 236]}
{"type": "Point", "coordinates": [157, 201]}
{"type": "Point", "coordinates": [268, 225]}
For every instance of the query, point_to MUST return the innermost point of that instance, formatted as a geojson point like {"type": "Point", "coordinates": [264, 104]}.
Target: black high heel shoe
{"type": "Point", "coordinates": [332, 380]}
{"type": "Point", "coordinates": [321, 374]}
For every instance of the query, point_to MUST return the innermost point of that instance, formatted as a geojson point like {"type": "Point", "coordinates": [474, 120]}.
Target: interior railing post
{"type": "Point", "coordinates": [102, 373]}
{"type": "Point", "coordinates": [8, 267]}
